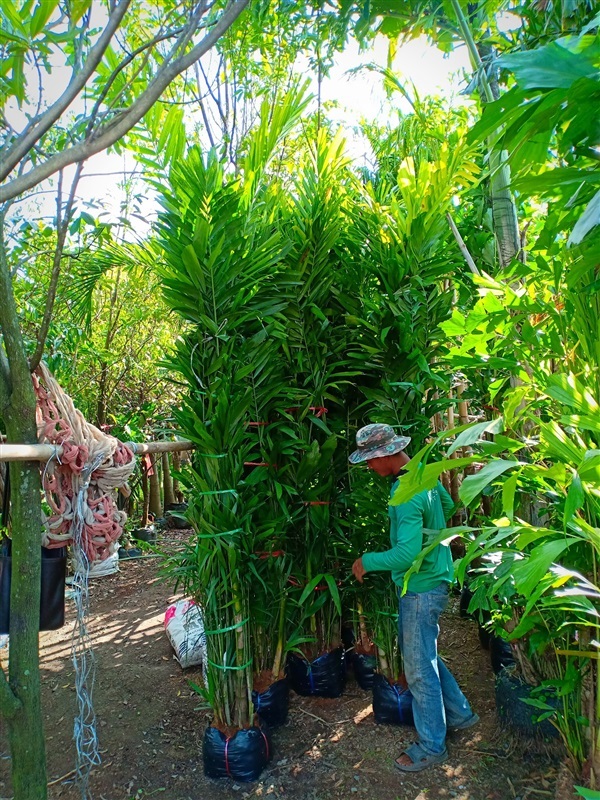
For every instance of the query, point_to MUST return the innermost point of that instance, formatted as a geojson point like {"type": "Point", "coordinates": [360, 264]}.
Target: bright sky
{"type": "Point", "coordinates": [358, 95]}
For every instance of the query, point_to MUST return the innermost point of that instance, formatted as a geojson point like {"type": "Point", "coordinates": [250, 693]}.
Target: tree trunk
{"type": "Point", "coordinates": [177, 468]}
{"type": "Point", "coordinates": [102, 392]}
{"type": "Point", "coordinates": [20, 701]}
{"type": "Point", "coordinates": [145, 494]}
{"type": "Point", "coordinates": [155, 506]}
{"type": "Point", "coordinates": [168, 491]}
{"type": "Point", "coordinates": [504, 210]}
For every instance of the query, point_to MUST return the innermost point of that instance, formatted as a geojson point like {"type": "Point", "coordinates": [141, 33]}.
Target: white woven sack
{"type": "Point", "coordinates": [110, 565]}
{"type": "Point", "coordinates": [184, 625]}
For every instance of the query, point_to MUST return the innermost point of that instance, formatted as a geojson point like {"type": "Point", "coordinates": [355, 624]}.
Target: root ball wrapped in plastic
{"type": "Point", "coordinates": [241, 757]}
{"type": "Point", "coordinates": [272, 704]}
{"type": "Point", "coordinates": [392, 703]}
{"type": "Point", "coordinates": [364, 670]}
{"type": "Point", "coordinates": [325, 676]}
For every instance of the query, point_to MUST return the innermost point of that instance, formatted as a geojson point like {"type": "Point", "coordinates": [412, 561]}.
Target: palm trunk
{"type": "Point", "coordinates": [504, 210]}
{"type": "Point", "coordinates": [168, 490]}
{"type": "Point", "coordinates": [155, 505]}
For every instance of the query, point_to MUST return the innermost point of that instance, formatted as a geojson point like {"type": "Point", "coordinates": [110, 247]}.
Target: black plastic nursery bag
{"type": "Point", "coordinates": [52, 600]}
{"type": "Point", "coordinates": [323, 677]}
{"type": "Point", "coordinates": [518, 715]}
{"type": "Point", "coordinates": [241, 757]}
{"type": "Point", "coordinates": [392, 704]}
{"type": "Point", "coordinates": [272, 705]}
{"type": "Point", "coordinates": [364, 670]}
{"type": "Point", "coordinates": [501, 654]}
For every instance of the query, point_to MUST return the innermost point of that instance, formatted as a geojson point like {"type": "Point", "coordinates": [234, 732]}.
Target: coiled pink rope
{"type": "Point", "coordinates": [65, 482]}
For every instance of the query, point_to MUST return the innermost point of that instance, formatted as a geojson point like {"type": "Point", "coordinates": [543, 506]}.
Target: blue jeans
{"type": "Point", "coordinates": [437, 699]}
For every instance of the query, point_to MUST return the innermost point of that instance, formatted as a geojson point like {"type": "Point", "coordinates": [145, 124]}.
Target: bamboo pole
{"type": "Point", "coordinates": [44, 452]}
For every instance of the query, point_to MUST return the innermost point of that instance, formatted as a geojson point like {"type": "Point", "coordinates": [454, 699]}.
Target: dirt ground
{"type": "Point", "coordinates": [150, 723]}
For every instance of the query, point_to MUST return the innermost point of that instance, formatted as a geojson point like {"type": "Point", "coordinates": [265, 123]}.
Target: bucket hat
{"type": "Point", "coordinates": [375, 441]}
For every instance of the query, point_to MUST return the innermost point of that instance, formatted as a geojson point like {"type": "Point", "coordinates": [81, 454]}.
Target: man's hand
{"type": "Point", "coordinates": [358, 570]}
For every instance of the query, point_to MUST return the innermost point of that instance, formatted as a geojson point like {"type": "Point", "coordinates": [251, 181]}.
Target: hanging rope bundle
{"type": "Point", "coordinates": [65, 482]}
{"type": "Point", "coordinates": [80, 489]}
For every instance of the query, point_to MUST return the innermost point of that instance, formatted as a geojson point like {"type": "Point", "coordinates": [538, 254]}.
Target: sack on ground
{"type": "Point", "coordinates": [184, 625]}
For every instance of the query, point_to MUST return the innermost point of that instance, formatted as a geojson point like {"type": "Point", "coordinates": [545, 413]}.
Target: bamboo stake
{"type": "Point", "coordinates": [463, 247]}
{"type": "Point", "coordinates": [454, 480]}
{"type": "Point", "coordinates": [44, 452]}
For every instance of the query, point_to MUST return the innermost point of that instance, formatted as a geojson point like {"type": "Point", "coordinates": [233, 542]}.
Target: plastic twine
{"type": "Point", "coordinates": [398, 693]}
{"type": "Point", "coordinates": [226, 757]}
{"type": "Point", "coordinates": [266, 744]}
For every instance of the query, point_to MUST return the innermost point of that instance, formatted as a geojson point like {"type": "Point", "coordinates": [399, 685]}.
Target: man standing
{"type": "Point", "coordinates": [438, 703]}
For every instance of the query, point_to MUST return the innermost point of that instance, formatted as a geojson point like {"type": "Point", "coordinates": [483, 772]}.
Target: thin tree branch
{"type": "Point", "coordinates": [123, 123]}
{"type": "Point", "coordinates": [126, 61]}
{"type": "Point", "coordinates": [39, 125]}
{"type": "Point", "coordinates": [62, 229]}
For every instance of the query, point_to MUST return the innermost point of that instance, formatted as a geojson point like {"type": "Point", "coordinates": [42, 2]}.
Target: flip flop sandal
{"type": "Point", "coordinates": [420, 759]}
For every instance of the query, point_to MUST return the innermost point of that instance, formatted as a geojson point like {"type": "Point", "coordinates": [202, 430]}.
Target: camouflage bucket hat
{"type": "Point", "coordinates": [376, 441]}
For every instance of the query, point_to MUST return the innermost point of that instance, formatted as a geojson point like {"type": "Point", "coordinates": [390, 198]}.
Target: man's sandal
{"type": "Point", "coordinates": [420, 759]}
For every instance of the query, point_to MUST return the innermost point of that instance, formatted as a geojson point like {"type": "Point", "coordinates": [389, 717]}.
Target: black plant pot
{"type": "Point", "coordinates": [518, 715]}
{"type": "Point", "coordinates": [466, 596]}
{"type": "Point", "coordinates": [348, 640]}
{"type": "Point", "coordinates": [484, 637]}
{"type": "Point", "coordinates": [52, 599]}
{"type": "Point", "coordinates": [392, 704]}
{"type": "Point", "coordinates": [273, 704]}
{"type": "Point", "coordinates": [325, 676]}
{"type": "Point", "coordinates": [501, 654]}
{"type": "Point", "coordinates": [364, 670]}
{"type": "Point", "coordinates": [241, 757]}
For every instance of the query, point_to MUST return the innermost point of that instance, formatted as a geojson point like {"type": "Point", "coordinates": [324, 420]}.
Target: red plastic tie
{"type": "Point", "coordinates": [266, 744]}
{"type": "Point", "coordinates": [318, 410]}
{"type": "Point", "coordinates": [256, 424]}
{"type": "Point", "coordinates": [270, 553]}
{"type": "Point", "coordinates": [226, 758]}
{"type": "Point", "coordinates": [259, 464]}
{"type": "Point", "coordinates": [317, 503]}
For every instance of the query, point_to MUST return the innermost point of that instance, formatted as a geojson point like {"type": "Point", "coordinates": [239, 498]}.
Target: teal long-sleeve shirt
{"type": "Point", "coordinates": [428, 509]}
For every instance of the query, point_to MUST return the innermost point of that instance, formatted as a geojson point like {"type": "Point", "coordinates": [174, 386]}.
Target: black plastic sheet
{"type": "Point", "coordinates": [392, 704]}
{"type": "Point", "coordinates": [272, 705]}
{"type": "Point", "coordinates": [518, 715]}
{"type": "Point", "coordinates": [323, 677]}
{"type": "Point", "coordinates": [348, 640]}
{"type": "Point", "coordinates": [52, 598]}
{"type": "Point", "coordinates": [484, 637]}
{"type": "Point", "coordinates": [241, 757]}
{"type": "Point", "coordinates": [501, 654]}
{"type": "Point", "coordinates": [466, 596]}
{"type": "Point", "coordinates": [364, 670]}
